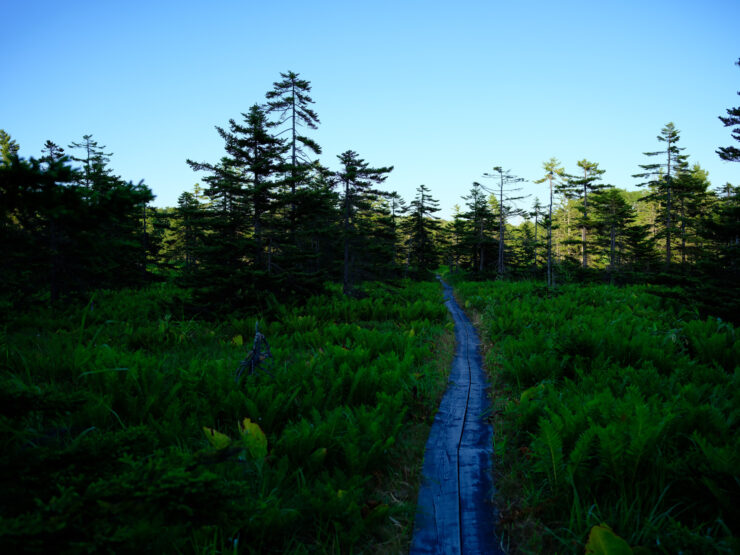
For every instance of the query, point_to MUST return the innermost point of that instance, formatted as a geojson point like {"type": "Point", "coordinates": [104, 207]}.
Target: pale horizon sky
{"type": "Point", "coordinates": [444, 92]}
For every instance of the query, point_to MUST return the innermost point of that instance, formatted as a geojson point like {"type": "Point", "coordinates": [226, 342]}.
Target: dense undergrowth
{"type": "Point", "coordinates": [613, 405]}
{"type": "Point", "coordinates": [123, 428]}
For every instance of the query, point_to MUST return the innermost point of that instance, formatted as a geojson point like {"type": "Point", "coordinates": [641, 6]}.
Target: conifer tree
{"type": "Point", "coordinates": [721, 230]}
{"type": "Point", "coordinates": [731, 153]}
{"type": "Point", "coordinates": [242, 189]}
{"type": "Point", "coordinates": [554, 176]}
{"type": "Point", "coordinates": [94, 160]}
{"type": "Point", "coordinates": [356, 179]}
{"type": "Point", "coordinates": [289, 100]}
{"type": "Point", "coordinates": [52, 152]}
{"type": "Point", "coordinates": [538, 213]}
{"type": "Point", "coordinates": [580, 187]}
{"type": "Point", "coordinates": [8, 148]}
{"type": "Point", "coordinates": [422, 227]}
{"type": "Point", "coordinates": [505, 207]}
{"type": "Point", "coordinates": [397, 208]}
{"type": "Point", "coordinates": [456, 244]}
{"type": "Point", "coordinates": [691, 195]}
{"type": "Point", "coordinates": [114, 234]}
{"type": "Point", "coordinates": [662, 175]}
{"type": "Point", "coordinates": [478, 224]}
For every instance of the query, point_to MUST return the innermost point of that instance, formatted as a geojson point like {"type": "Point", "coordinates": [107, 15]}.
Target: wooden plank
{"type": "Point", "coordinates": [454, 510]}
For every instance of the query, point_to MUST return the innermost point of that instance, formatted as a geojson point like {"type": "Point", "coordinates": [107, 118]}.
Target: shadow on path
{"type": "Point", "coordinates": [454, 511]}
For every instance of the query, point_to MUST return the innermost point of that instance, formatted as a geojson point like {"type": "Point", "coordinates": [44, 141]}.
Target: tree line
{"type": "Point", "coordinates": [273, 222]}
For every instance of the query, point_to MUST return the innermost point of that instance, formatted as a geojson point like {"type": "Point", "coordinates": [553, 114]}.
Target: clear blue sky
{"type": "Point", "coordinates": [443, 91]}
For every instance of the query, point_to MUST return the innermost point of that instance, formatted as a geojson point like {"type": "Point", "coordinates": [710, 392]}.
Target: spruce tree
{"type": "Point", "coordinates": [554, 176]}
{"type": "Point", "coordinates": [612, 216]}
{"type": "Point", "coordinates": [94, 160]}
{"type": "Point", "coordinates": [242, 189]}
{"type": "Point", "coordinates": [289, 100]}
{"type": "Point", "coordinates": [422, 228]}
{"type": "Point", "coordinates": [538, 213]}
{"type": "Point", "coordinates": [691, 198]}
{"type": "Point", "coordinates": [456, 243]}
{"type": "Point", "coordinates": [580, 187]}
{"type": "Point", "coordinates": [8, 148]}
{"type": "Point", "coordinates": [112, 237]}
{"type": "Point", "coordinates": [52, 152]}
{"type": "Point", "coordinates": [731, 153]}
{"type": "Point", "coordinates": [506, 209]}
{"type": "Point", "coordinates": [356, 179]}
{"type": "Point", "coordinates": [479, 221]}
{"type": "Point", "coordinates": [721, 230]}
{"type": "Point", "coordinates": [661, 184]}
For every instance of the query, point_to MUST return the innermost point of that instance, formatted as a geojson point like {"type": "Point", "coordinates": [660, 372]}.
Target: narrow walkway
{"type": "Point", "coordinates": [454, 512]}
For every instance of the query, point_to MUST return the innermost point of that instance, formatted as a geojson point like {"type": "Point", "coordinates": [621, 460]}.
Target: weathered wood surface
{"type": "Point", "coordinates": [454, 511]}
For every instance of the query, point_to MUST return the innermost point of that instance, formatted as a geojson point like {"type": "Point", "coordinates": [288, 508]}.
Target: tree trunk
{"type": "Point", "coordinates": [345, 278]}
{"type": "Point", "coordinates": [549, 240]}
{"type": "Point", "coordinates": [501, 229]}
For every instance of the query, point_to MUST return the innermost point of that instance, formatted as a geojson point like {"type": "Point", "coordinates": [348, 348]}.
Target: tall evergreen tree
{"type": "Point", "coordinates": [422, 228]}
{"type": "Point", "coordinates": [663, 174]}
{"type": "Point", "coordinates": [505, 207]}
{"type": "Point", "coordinates": [290, 102]}
{"type": "Point", "coordinates": [539, 215]}
{"type": "Point", "coordinates": [721, 230]}
{"type": "Point", "coordinates": [691, 199]}
{"type": "Point", "coordinates": [238, 254]}
{"type": "Point", "coordinates": [580, 187]}
{"type": "Point", "coordinates": [479, 223]}
{"type": "Point", "coordinates": [731, 153]}
{"type": "Point", "coordinates": [397, 207]}
{"type": "Point", "coordinates": [613, 216]}
{"type": "Point", "coordinates": [554, 176]}
{"type": "Point", "coordinates": [356, 179]}
{"type": "Point", "coordinates": [52, 152]}
{"type": "Point", "coordinates": [457, 249]}
{"type": "Point", "coordinates": [95, 170]}
{"type": "Point", "coordinates": [8, 148]}
{"type": "Point", "coordinates": [63, 237]}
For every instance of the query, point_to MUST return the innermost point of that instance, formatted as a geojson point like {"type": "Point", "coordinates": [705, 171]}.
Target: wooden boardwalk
{"type": "Point", "coordinates": [454, 511]}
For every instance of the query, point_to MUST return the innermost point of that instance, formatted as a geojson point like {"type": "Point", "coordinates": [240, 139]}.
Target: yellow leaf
{"type": "Point", "coordinates": [237, 340]}
{"type": "Point", "coordinates": [217, 439]}
{"type": "Point", "coordinates": [340, 493]}
{"type": "Point", "coordinates": [254, 438]}
{"type": "Point", "coordinates": [603, 541]}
